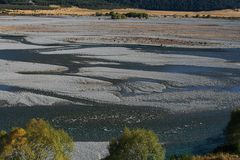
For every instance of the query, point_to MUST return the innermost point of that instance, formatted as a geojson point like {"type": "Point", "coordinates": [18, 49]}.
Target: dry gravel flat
{"type": "Point", "coordinates": [124, 62]}
{"type": "Point", "coordinates": [187, 32]}
{"type": "Point", "coordinates": [147, 70]}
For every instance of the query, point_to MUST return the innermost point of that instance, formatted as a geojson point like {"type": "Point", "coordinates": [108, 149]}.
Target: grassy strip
{"type": "Point", "coordinates": [115, 13]}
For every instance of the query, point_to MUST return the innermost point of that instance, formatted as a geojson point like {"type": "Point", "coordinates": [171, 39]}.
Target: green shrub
{"type": "Point", "coordinates": [115, 15]}
{"type": "Point", "coordinates": [111, 13]}
{"type": "Point", "coordinates": [232, 135]}
{"type": "Point", "coordinates": [137, 15]}
{"type": "Point", "coordinates": [136, 144]}
{"type": "Point", "coordinates": [197, 16]}
{"type": "Point", "coordinates": [98, 14]}
{"type": "Point", "coordinates": [123, 16]}
{"type": "Point", "coordinates": [39, 140]}
{"type": "Point", "coordinates": [232, 132]}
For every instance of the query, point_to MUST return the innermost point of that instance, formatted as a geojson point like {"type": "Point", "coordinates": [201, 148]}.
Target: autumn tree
{"type": "Point", "coordinates": [37, 141]}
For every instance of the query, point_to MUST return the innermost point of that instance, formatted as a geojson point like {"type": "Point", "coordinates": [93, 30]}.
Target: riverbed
{"type": "Point", "coordinates": [94, 77]}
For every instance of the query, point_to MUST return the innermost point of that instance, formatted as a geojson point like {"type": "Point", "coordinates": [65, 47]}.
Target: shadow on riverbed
{"type": "Point", "coordinates": [32, 55]}
{"type": "Point", "coordinates": [226, 75]}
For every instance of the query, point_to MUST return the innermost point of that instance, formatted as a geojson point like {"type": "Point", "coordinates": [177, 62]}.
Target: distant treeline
{"type": "Point", "coordinates": [176, 5]}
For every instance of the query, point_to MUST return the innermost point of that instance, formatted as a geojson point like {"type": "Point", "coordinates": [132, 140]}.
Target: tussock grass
{"type": "Point", "coordinates": [75, 11]}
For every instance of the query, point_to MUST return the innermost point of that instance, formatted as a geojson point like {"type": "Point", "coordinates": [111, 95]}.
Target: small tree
{"type": "Point", "coordinates": [136, 144]}
{"type": "Point", "coordinates": [38, 141]}
{"type": "Point", "coordinates": [98, 14]}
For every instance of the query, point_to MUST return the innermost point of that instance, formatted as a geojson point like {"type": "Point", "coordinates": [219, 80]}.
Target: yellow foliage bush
{"type": "Point", "coordinates": [38, 141]}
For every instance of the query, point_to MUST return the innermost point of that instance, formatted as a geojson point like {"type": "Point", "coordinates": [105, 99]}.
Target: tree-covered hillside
{"type": "Point", "coordinates": [191, 5]}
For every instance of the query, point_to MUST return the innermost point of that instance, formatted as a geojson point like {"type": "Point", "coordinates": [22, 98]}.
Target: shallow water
{"type": "Point", "coordinates": [181, 132]}
{"type": "Point", "coordinates": [191, 132]}
{"type": "Point", "coordinates": [5, 88]}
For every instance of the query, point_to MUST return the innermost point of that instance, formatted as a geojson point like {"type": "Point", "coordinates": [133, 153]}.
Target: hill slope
{"type": "Point", "coordinates": [177, 5]}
